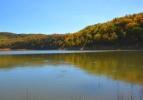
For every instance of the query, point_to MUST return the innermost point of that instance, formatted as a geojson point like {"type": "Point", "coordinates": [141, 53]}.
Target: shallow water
{"type": "Point", "coordinates": [44, 75]}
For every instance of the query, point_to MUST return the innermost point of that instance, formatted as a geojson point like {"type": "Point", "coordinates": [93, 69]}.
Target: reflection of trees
{"type": "Point", "coordinates": [127, 66]}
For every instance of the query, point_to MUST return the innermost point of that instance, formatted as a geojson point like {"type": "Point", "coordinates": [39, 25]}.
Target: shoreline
{"type": "Point", "coordinates": [8, 49]}
{"type": "Point", "coordinates": [52, 52]}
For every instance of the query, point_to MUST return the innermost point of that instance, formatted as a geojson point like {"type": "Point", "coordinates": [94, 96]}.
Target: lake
{"type": "Point", "coordinates": [71, 75]}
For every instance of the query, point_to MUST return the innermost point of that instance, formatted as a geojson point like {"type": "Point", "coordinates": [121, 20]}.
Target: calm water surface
{"type": "Point", "coordinates": [62, 75]}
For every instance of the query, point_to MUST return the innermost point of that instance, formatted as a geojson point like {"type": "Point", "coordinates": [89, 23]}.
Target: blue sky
{"type": "Point", "coordinates": [61, 16]}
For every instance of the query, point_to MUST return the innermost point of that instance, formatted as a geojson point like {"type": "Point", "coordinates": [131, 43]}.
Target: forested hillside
{"type": "Point", "coordinates": [120, 33]}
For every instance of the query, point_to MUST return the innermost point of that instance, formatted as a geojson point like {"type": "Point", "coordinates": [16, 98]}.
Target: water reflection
{"type": "Point", "coordinates": [100, 76]}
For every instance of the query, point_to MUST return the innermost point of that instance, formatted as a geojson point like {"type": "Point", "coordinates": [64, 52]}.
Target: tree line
{"type": "Point", "coordinates": [120, 33]}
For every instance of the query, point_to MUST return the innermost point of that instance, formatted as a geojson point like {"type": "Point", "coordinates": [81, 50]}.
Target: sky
{"type": "Point", "coordinates": [61, 16]}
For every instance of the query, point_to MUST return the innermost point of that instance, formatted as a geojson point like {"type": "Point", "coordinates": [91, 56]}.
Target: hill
{"type": "Point", "coordinates": [120, 33]}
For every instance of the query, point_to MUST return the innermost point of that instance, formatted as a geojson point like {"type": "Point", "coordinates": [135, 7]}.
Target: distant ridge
{"type": "Point", "coordinates": [120, 33]}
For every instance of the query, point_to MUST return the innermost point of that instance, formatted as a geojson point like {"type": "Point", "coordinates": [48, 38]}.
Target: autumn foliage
{"type": "Point", "coordinates": [120, 33]}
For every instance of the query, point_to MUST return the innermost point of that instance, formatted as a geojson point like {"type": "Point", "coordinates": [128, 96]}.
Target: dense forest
{"type": "Point", "coordinates": [120, 33]}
